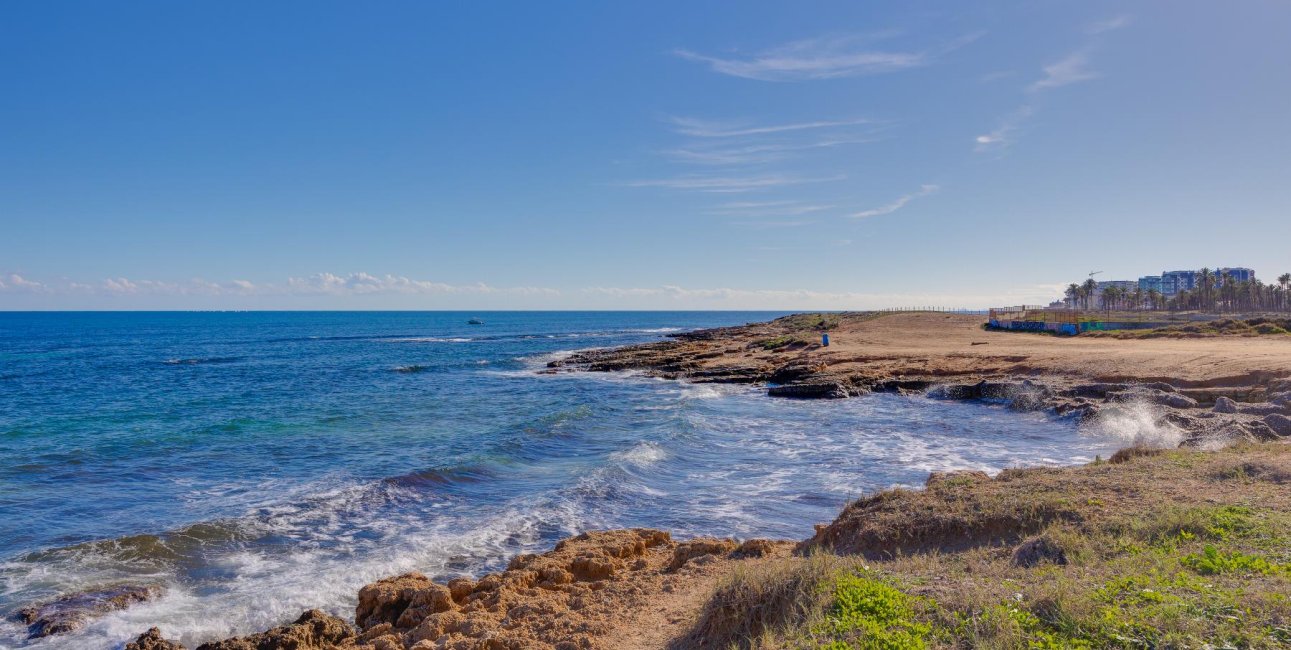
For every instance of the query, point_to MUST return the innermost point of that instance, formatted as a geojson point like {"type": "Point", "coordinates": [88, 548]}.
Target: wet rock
{"type": "Point", "coordinates": [1097, 390]}
{"type": "Point", "coordinates": [1038, 550]}
{"type": "Point", "coordinates": [956, 391]}
{"type": "Point", "coordinates": [795, 371]}
{"type": "Point", "coordinates": [152, 640]}
{"type": "Point", "coordinates": [73, 611]}
{"type": "Point", "coordinates": [819, 390]}
{"type": "Point", "coordinates": [1175, 400]}
{"type": "Point", "coordinates": [314, 630]}
{"type": "Point", "coordinates": [1225, 405]}
{"type": "Point", "coordinates": [1280, 424]}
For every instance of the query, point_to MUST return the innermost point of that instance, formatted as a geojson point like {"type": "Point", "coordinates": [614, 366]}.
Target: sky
{"type": "Point", "coordinates": [661, 155]}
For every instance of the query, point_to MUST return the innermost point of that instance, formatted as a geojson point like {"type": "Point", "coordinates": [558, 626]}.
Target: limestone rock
{"type": "Point", "coordinates": [687, 551]}
{"type": "Point", "coordinates": [1225, 405]}
{"type": "Point", "coordinates": [314, 630]}
{"type": "Point", "coordinates": [152, 640]}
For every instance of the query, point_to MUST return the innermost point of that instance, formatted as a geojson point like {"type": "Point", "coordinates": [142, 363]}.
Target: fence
{"type": "Point", "coordinates": [1075, 321]}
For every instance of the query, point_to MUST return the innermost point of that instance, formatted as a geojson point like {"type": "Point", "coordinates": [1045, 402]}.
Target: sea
{"type": "Point", "coordinates": [258, 464]}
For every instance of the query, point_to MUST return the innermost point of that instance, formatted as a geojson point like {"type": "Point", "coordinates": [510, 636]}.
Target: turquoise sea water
{"type": "Point", "coordinates": [259, 464]}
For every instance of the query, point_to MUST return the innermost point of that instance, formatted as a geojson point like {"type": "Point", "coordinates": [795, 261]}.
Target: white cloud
{"type": "Point", "coordinates": [730, 184]}
{"type": "Point", "coordinates": [816, 58]}
{"type": "Point", "coordinates": [901, 202]}
{"type": "Point", "coordinates": [1071, 69]}
{"type": "Point", "coordinates": [364, 283]}
{"type": "Point", "coordinates": [15, 282]}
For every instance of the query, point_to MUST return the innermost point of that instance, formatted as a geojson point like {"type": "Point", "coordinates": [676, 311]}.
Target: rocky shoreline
{"type": "Point", "coordinates": [628, 588]}
{"type": "Point", "coordinates": [783, 356]}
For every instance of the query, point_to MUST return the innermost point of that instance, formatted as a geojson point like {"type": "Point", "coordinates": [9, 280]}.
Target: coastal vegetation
{"type": "Point", "coordinates": [1153, 549]}
{"type": "Point", "coordinates": [1222, 327]}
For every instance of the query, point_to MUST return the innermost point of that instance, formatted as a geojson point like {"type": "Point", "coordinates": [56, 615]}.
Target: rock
{"type": "Point", "coordinates": [152, 640]}
{"type": "Point", "coordinates": [75, 610]}
{"type": "Point", "coordinates": [1099, 390]}
{"type": "Point", "coordinates": [1225, 405]}
{"type": "Point", "coordinates": [687, 551]}
{"type": "Point", "coordinates": [956, 391]}
{"type": "Point", "coordinates": [754, 548]}
{"type": "Point", "coordinates": [401, 601]}
{"type": "Point", "coordinates": [1280, 424]}
{"type": "Point", "coordinates": [1038, 550]}
{"type": "Point", "coordinates": [1175, 400]}
{"type": "Point", "coordinates": [796, 370]}
{"type": "Point", "coordinates": [815, 390]}
{"type": "Point", "coordinates": [314, 630]}
{"type": "Point", "coordinates": [1259, 409]}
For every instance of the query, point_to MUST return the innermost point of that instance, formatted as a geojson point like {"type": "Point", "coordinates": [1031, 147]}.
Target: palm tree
{"type": "Point", "coordinates": [1154, 299]}
{"type": "Point", "coordinates": [1073, 292]}
{"type": "Point", "coordinates": [1205, 287]}
{"type": "Point", "coordinates": [1090, 287]}
{"type": "Point", "coordinates": [1284, 281]}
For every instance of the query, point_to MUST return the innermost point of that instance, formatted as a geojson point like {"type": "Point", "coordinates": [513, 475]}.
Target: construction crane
{"type": "Point", "coordinates": [1093, 273]}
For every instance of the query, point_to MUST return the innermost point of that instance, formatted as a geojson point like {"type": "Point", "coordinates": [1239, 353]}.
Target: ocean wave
{"type": "Point", "coordinates": [641, 454]}
{"type": "Point", "coordinates": [410, 369]}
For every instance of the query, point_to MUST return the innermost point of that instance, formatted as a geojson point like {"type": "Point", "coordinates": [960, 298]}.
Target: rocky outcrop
{"type": "Point", "coordinates": [152, 640]}
{"type": "Point", "coordinates": [569, 598]}
{"type": "Point", "coordinates": [314, 630]}
{"type": "Point", "coordinates": [73, 611]}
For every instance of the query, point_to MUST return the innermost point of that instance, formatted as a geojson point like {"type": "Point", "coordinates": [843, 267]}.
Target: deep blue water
{"type": "Point", "coordinates": [258, 464]}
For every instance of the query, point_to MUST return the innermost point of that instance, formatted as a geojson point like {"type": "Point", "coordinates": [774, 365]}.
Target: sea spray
{"type": "Point", "coordinates": [1135, 423]}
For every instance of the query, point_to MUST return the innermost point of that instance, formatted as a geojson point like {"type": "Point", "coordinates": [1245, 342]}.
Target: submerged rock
{"type": "Point", "coordinates": [73, 611]}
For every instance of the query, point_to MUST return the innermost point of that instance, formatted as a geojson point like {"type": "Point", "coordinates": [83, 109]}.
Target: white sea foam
{"type": "Point", "coordinates": [1135, 423]}
{"type": "Point", "coordinates": [642, 454]}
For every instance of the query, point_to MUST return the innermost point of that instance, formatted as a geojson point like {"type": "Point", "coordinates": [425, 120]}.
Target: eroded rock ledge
{"type": "Point", "coordinates": [570, 598]}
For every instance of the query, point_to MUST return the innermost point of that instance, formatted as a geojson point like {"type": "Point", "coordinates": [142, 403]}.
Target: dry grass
{"type": "Point", "coordinates": [1173, 549]}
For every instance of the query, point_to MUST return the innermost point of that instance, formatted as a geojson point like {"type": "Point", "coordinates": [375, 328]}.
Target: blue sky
{"type": "Point", "coordinates": [662, 155]}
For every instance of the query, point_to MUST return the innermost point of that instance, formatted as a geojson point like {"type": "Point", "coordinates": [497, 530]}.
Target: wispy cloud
{"type": "Point", "coordinates": [352, 284]}
{"type": "Point", "coordinates": [901, 202]}
{"type": "Point", "coordinates": [1003, 134]}
{"type": "Point", "coordinates": [754, 154]}
{"type": "Point", "coordinates": [714, 129]}
{"type": "Point", "coordinates": [1111, 24]}
{"type": "Point", "coordinates": [786, 208]}
{"type": "Point", "coordinates": [816, 58]}
{"type": "Point", "coordinates": [1071, 69]}
{"type": "Point", "coordinates": [726, 297]}
{"type": "Point", "coordinates": [732, 184]}
{"type": "Point", "coordinates": [1068, 70]}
